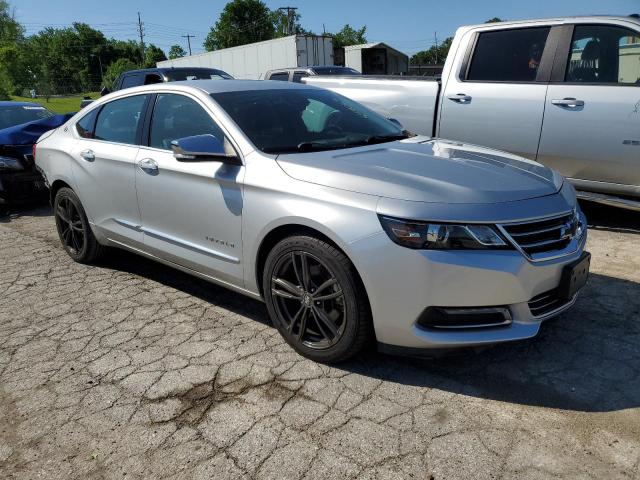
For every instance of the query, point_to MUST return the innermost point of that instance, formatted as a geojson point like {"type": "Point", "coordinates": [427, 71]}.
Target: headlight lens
{"type": "Point", "coordinates": [442, 236]}
{"type": "Point", "coordinates": [8, 163]}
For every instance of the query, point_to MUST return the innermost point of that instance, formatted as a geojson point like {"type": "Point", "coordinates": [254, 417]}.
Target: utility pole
{"type": "Point", "coordinates": [141, 32]}
{"type": "Point", "coordinates": [435, 34]}
{"type": "Point", "coordinates": [188, 37]}
{"type": "Point", "coordinates": [291, 11]}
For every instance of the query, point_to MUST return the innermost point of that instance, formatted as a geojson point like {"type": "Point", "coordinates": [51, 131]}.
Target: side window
{"type": "Point", "coordinates": [152, 78]}
{"type": "Point", "coordinates": [86, 125]}
{"type": "Point", "coordinates": [176, 116]}
{"type": "Point", "coordinates": [130, 81]}
{"type": "Point", "coordinates": [604, 54]}
{"type": "Point", "coordinates": [508, 55]}
{"type": "Point", "coordinates": [118, 120]}
{"type": "Point", "coordinates": [299, 75]}
{"type": "Point", "coordinates": [282, 76]}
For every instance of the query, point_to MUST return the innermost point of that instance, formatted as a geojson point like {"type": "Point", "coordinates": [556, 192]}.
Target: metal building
{"type": "Point", "coordinates": [376, 59]}
{"type": "Point", "coordinates": [253, 60]}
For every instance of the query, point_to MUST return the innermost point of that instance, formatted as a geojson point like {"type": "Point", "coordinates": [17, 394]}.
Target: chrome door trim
{"type": "Point", "coordinates": [178, 241]}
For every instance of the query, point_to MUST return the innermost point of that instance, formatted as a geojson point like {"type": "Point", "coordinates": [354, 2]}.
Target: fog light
{"type": "Point", "coordinates": [465, 317]}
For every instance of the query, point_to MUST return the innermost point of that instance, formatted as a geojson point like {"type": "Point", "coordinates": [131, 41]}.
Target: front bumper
{"type": "Point", "coordinates": [402, 283]}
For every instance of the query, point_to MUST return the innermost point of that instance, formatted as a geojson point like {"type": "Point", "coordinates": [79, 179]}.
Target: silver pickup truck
{"type": "Point", "coordinates": [564, 92]}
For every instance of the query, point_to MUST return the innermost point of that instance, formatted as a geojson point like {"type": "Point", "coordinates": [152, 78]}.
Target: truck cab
{"type": "Point", "coordinates": [297, 74]}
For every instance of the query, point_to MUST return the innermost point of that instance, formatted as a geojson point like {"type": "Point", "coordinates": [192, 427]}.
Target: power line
{"type": "Point", "coordinates": [188, 37]}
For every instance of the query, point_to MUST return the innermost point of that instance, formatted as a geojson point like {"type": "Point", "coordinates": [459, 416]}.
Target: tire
{"type": "Point", "coordinates": [323, 314]}
{"type": "Point", "coordinates": [74, 230]}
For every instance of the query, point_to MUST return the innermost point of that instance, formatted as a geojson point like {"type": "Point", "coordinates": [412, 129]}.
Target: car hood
{"type": "Point", "coordinates": [426, 170]}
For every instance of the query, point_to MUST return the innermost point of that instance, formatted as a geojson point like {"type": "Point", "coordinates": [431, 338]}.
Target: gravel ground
{"type": "Point", "coordinates": [133, 370]}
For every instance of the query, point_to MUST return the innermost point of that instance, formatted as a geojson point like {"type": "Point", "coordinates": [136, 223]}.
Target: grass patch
{"type": "Point", "coordinates": [59, 104]}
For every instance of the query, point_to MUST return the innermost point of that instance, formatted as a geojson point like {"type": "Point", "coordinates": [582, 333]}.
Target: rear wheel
{"type": "Point", "coordinates": [315, 299]}
{"type": "Point", "coordinates": [74, 229]}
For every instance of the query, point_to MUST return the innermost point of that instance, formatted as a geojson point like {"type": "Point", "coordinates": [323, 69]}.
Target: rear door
{"type": "Point", "coordinates": [104, 166]}
{"type": "Point", "coordinates": [496, 91]}
{"type": "Point", "coordinates": [591, 128]}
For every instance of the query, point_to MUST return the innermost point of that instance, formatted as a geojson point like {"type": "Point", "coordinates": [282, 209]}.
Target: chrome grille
{"type": "Point", "coordinates": [546, 303]}
{"type": "Point", "coordinates": [545, 235]}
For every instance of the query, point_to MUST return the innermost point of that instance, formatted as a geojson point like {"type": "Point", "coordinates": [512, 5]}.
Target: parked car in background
{"type": "Point", "coordinates": [348, 228]}
{"type": "Point", "coordinates": [21, 123]}
{"type": "Point", "coordinates": [298, 73]}
{"type": "Point", "coordinates": [564, 92]}
{"type": "Point", "coordinates": [148, 76]}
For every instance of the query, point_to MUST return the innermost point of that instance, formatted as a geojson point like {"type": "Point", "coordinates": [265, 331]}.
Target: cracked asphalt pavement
{"type": "Point", "coordinates": [133, 370]}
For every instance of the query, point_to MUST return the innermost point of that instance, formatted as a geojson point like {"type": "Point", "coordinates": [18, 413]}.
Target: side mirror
{"type": "Point", "coordinates": [202, 148]}
{"type": "Point", "coordinates": [104, 91]}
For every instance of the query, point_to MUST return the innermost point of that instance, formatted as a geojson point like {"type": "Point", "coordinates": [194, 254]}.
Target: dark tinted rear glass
{"type": "Point", "coordinates": [118, 120]}
{"type": "Point", "coordinates": [199, 74]}
{"type": "Point", "coordinates": [86, 125]}
{"type": "Point", "coordinates": [335, 71]}
{"type": "Point", "coordinates": [282, 76]}
{"type": "Point", "coordinates": [508, 55]}
{"type": "Point", "coordinates": [131, 81]}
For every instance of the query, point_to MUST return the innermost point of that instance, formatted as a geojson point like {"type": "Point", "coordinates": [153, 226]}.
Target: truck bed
{"type": "Point", "coordinates": [411, 100]}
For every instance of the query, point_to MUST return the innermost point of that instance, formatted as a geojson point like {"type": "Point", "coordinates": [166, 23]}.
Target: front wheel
{"type": "Point", "coordinates": [316, 300]}
{"type": "Point", "coordinates": [74, 229]}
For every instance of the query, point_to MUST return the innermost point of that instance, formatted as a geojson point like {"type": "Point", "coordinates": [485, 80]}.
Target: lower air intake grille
{"type": "Point", "coordinates": [546, 303]}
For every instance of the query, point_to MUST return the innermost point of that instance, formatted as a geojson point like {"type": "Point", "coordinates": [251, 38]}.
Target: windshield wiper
{"type": "Point", "coordinates": [373, 139]}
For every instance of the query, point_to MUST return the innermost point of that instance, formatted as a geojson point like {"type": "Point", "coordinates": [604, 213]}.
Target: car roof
{"type": "Point", "coordinates": [219, 86]}
{"type": "Point", "coordinates": [569, 19]}
{"type": "Point", "coordinates": [19, 104]}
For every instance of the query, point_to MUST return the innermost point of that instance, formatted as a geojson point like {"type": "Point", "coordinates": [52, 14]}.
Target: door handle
{"type": "Point", "coordinates": [460, 98]}
{"type": "Point", "coordinates": [568, 102]}
{"type": "Point", "coordinates": [148, 165]}
{"type": "Point", "coordinates": [88, 155]}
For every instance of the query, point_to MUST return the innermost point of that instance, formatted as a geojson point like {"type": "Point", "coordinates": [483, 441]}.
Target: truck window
{"type": "Point", "coordinates": [604, 54]}
{"type": "Point", "coordinates": [282, 76]}
{"type": "Point", "coordinates": [508, 55]}
{"type": "Point", "coordinates": [130, 81]}
{"type": "Point", "coordinates": [298, 76]}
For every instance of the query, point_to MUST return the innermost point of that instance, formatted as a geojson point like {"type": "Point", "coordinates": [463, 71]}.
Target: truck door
{"type": "Point", "coordinates": [495, 93]}
{"type": "Point", "coordinates": [591, 129]}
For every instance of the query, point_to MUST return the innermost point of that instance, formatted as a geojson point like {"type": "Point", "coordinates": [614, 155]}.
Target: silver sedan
{"type": "Point", "coordinates": [351, 229]}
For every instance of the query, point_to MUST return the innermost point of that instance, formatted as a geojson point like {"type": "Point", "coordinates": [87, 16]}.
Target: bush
{"type": "Point", "coordinates": [4, 94]}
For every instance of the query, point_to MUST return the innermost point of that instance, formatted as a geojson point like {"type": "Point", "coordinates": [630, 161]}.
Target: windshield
{"type": "Point", "coordinates": [305, 119]}
{"type": "Point", "coordinates": [201, 74]}
{"type": "Point", "coordinates": [19, 114]}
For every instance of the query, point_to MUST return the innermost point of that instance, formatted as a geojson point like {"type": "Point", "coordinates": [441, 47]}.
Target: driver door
{"type": "Point", "coordinates": [191, 211]}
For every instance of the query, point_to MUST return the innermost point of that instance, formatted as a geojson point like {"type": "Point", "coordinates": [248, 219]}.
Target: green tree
{"type": "Point", "coordinates": [10, 30]}
{"type": "Point", "coordinates": [241, 22]}
{"type": "Point", "coordinates": [176, 51]}
{"type": "Point", "coordinates": [349, 36]}
{"type": "Point", "coordinates": [281, 24]}
{"type": "Point", "coordinates": [153, 55]}
{"type": "Point", "coordinates": [116, 68]}
{"type": "Point", "coordinates": [494, 20]}
{"type": "Point", "coordinates": [434, 55]}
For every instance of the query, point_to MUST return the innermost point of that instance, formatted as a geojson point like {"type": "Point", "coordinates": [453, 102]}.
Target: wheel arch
{"type": "Point", "coordinates": [281, 232]}
{"type": "Point", "coordinates": [55, 187]}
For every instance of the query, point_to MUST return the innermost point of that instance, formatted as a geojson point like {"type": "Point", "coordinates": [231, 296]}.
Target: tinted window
{"type": "Point", "coordinates": [131, 81]}
{"type": "Point", "coordinates": [298, 75]}
{"type": "Point", "coordinates": [508, 55]}
{"type": "Point", "coordinates": [197, 74]}
{"type": "Point", "coordinates": [19, 114]}
{"type": "Point", "coordinates": [604, 54]}
{"type": "Point", "coordinates": [118, 120]}
{"type": "Point", "coordinates": [335, 71]}
{"type": "Point", "coordinates": [283, 76]}
{"type": "Point", "coordinates": [86, 125]}
{"type": "Point", "coordinates": [304, 119]}
{"type": "Point", "coordinates": [177, 116]}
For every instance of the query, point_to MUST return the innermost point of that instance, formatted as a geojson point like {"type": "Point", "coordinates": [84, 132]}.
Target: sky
{"type": "Point", "coordinates": [408, 25]}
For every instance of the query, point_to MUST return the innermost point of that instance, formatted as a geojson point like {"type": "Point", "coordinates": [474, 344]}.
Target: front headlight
{"type": "Point", "coordinates": [8, 163]}
{"type": "Point", "coordinates": [442, 236]}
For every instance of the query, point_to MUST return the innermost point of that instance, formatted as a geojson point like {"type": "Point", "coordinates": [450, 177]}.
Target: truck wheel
{"type": "Point", "coordinates": [74, 229]}
{"type": "Point", "coordinates": [315, 299]}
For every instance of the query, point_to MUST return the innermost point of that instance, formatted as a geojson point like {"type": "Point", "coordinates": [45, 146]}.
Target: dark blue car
{"type": "Point", "coordinates": [21, 124]}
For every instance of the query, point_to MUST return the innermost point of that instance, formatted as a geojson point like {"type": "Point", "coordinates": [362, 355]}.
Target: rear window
{"type": "Point", "coordinates": [131, 81]}
{"type": "Point", "coordinates": [204, 74]}
{"type": "Point", "coordinates": [508, 55]}
{"type": "Point", "coordinates": [335, 71]}
{"type": "Point", "coordinates": [86, 125]}
{"type": "Point", "coordinates": [282, 76]}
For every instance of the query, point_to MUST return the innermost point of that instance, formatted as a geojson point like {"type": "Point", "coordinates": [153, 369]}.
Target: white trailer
{"type": "Point", "coordinates": [252, 61]}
